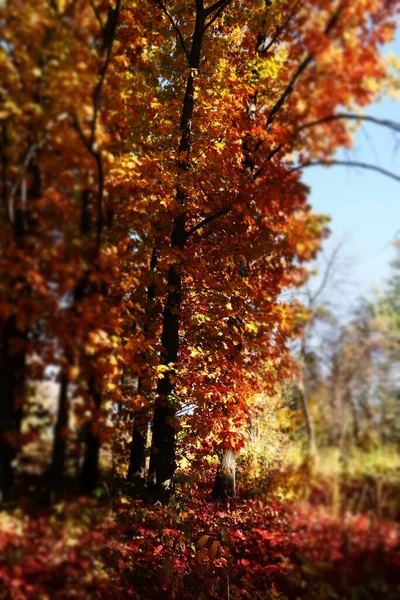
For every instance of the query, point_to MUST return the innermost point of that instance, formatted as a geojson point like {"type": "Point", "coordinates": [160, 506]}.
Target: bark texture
{"type": "Point", "coordinates": [137, 456]}
{"type": "Point", "coordinates": [12, 390]}
{"type": "Point", "coordinates": [225, 479]}
{"type": "Point", "coordinates": [57, 467]}
{"type": "Point", "coordinates": [137, 459]}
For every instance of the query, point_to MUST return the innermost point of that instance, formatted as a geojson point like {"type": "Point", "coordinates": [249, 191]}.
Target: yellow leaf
{"type": "Point", "coordinates": [183, 463]}
{"type": "Point", "coordinates": [213, 549]}
{"type": "Point", "coordinates": [203, 540]}
{"type": "Point", "coordinates": [252, 327]}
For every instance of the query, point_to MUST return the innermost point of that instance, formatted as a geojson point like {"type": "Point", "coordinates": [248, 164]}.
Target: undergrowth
{"type": "Point", "coordinates": [263, 548]}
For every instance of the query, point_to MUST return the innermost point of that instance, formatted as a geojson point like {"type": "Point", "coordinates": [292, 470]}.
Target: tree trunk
{"type": "Point", "coordinates": [57, 466]}
{"type": "Point", "coordinates": [90, 469]}
{"type": "Point", "coordinates": [312, 445]}
{"type": "Point", "coordinates": [162, 459]}
{"type": "Point", "coordinates": [13, 339]}
{"type": "Point", "coordinates": [225, 479]}
{"type": "Point", "coordinates": [137, 459]}
{"type": "Point", "coordinates": [12, 389]}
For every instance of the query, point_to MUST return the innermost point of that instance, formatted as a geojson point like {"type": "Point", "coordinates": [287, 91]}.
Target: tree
{"type": "Point", "coordinates": [314, 311]}
{"type": "Point", "coordinates": [56, 265]}
{"type": "Point", "coordinates": [352, 385]}
{"type": "Point", "coordinates": [387, 314]}
{"type": "Point", "coordinates": [151, 156]}
{"type": "Point", "coordinates": [265, 147]}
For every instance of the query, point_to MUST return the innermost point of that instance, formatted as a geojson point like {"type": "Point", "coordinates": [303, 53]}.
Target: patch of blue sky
{"type": "Point", "coordinates": [364, 206]}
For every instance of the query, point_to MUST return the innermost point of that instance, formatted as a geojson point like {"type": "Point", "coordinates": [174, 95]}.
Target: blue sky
{"type": "Point", "coordinates": [364, 206]}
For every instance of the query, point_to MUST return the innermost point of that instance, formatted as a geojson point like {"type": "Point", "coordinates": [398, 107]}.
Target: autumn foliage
{"type": "Point", "coordinates": [152, 217]}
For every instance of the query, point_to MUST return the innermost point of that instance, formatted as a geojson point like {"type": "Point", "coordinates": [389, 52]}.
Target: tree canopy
{"type": "Point", "coordinates": [153, 211]}
{"type": "Point", "coordinates": [154, 226]}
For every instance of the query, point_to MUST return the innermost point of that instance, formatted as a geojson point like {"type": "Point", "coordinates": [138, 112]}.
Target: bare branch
{"type": "Point", "coordinates": [351, 117]}
{"type": "Point", "coordinates": [207, 220]}
{"type": "Point", "coordinates": [393, 125]}
{"type": "Point", "coordinates": [313, 297]}
{"type": "Point", "coordinates": [256, 260]}
{"type": "Point", "coordinates": [346, 163]}
{"type": "Point", "coordinates": [175, 26]}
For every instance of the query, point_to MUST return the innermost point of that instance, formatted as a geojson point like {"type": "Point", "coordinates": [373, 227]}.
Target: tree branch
{"type": "Point", "coordinates": [345, 163]}
{"type": "Point", "coordinates": [219, 10]}
{"type": "Point", "coordinates": [216, 6]}
{"type": "Point", "coordinates": [210, 145]}
{"type": "Point", "coordinates": [81, 133]}
{"type": "Point", "coordinates": [174, 25]}
{"type": "Point", "coordinates": [96, 154]}
{"type": "Point", "coordinates": [313, 297]}
{"type": "Point", "coordinates": [280, 30]}
{"type": "Point", "coordinates": [29, 155]}
{"type": "Point", "coordinates": [330, 118]}
{"type": "Point", "coordinates": [207, 220]}
{"type": "Point", "coordinates": [300, 70]}
{"type": "Point", "coordinates": [109, 31]}
{"type": "Point", "coordinates": [96, 13]}
{"type": "Point", "coordinates": [352, 117]}
{"type": "Point", "coordinates": [269, 157]}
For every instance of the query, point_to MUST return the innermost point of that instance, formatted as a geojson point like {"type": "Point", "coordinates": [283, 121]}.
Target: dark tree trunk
{"type": "Point", "coordinates": [13, 339]}
{"type": "Point", "coordinates": [162, 459]}
{"type": "Point", "coordinates": [137, 459]}
{"type": "Point", "coordinates": [225, 479]}
{"type": "Point", "coordinates": [89, 478]}
{"type": "Point", "coordinates": [89, 474]}
{"type": "Point", "coordinates": [57, 467]}
{"type": "Point", "coordinates": [12, 390]}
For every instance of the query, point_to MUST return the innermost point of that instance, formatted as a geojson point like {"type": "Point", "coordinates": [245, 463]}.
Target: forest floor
{"type": "Point", "coordinates": [117, 547]}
